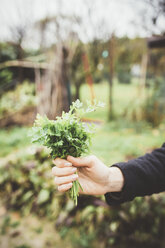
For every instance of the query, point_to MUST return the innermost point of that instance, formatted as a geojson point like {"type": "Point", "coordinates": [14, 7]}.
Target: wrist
{"type": "Point", "coordinates": [115, 180]}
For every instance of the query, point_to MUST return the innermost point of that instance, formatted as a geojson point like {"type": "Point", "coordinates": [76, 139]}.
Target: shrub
{"type": "Point", "coordinates": [154, 107]}
{"type": "Point", "coordinates": [27, 186]}
{"type": "Point", "coordinates": [14, 101]}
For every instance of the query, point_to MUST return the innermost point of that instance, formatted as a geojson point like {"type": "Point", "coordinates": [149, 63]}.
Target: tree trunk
{"type": "Point", "coordinates": [142, 83]}
{"type": "Point", "coordinates": [20, 56]}
{"type": "Point", "coordinates": [53, 90]}
{"type": "Point", "coordinates": [111, 75]}
{"type": "Point", "coordinates": [77, 93]}
{"type": "Point", "coordinates": [89, 78]}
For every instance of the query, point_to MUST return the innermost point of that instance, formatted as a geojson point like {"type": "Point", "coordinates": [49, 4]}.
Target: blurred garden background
{"type": "Point", "coordinates": [52, 53]}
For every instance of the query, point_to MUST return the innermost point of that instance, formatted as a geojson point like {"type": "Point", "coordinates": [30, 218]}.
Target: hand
{"type": "Point", "coordinates": [94, 176]}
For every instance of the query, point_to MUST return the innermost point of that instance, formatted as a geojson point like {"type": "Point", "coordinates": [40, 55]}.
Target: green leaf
{"type": "Point", "coordinates": [43, 196]}
{"type": "Point", "coordinates": [67, 135]}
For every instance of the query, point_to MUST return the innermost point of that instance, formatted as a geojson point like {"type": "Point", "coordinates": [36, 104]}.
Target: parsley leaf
{"type": "Point", "coordinates": [67, 135]}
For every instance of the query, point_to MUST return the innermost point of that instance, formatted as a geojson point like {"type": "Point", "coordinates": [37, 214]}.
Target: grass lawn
{"type": "Point", "coordinates": [115, 143]}
{"type": "Point", "coordinates": [11, 140]}
{"type": "Point", "coordinates": [123, 95]}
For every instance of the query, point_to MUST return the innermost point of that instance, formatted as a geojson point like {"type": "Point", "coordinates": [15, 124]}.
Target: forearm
{"type": "Point", "coordinates": [142, 176]}
{"type": "Point", "coordinates": [116, 180]}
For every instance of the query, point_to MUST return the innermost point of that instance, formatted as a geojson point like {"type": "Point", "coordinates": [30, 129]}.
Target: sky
{"type": "Point", "coordinates": [121, 16]}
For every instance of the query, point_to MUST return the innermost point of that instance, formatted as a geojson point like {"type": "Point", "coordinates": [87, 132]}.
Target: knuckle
{"type": "Point", "coordinates": [58, 161]}
{"type": "Point", "coordinates": [92, 157]}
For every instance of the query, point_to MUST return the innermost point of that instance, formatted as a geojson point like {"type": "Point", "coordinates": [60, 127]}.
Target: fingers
{"type": "Point", "coordinates": [64, 187]}
{"type": "Point", "coordinates": [66, 171]}
{"type": "Point", "coordinates": [64, 174]}
{"type": "Point", "coordinates": [79, 162]}
{"type": "Point", "coordinates": [59, 162]}
{"type": "Point", "coordinates": [65, 180]}
{"type": "Point", "coordinates": [82, 161]}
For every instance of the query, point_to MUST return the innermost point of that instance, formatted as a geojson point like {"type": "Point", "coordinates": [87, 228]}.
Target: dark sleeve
{"type": "Point", "coordinates": [142, 176]}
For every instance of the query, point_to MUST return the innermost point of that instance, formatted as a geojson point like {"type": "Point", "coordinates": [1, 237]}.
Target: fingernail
{"type": "Point", "coordinates": [68, 164]}
{"type": "Point", "coordinates": [75, 176]}
{"type": "Point", "coordinates": [74, 169]}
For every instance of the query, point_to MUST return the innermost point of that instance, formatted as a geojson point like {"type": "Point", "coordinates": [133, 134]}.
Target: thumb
{"type": "Point", "coordinates": [80, 161]}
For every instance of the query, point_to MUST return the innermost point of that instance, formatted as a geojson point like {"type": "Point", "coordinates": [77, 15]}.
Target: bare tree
{"type": "Point", "coordinates": [152, 16]}
{"type": "Point", "coordinates": [18, 27]}
{"type": "Point", "coordinates": [54, 87]}
{"type": "Point", "coordinates": [158, 10]}
{"type": "Point", "coordinates": [53, 93]}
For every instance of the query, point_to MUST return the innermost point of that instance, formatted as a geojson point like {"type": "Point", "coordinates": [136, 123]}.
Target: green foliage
{"type": "Point", "coordinates": [154, 107]}
{"type": "Point", "coordinates": [23, 246]}
{"type": "Point", "coordinates": [7, 52]}
{"type": "Point", "coordinates": [66, 136]}
{"type": "Point", "coordinates": [13, 139]}
{"type": "Point", "coordinates": [150, 109]}
{"type": "Point", "coordinates": [26, 183]}
{"type": "Point", "coordinates": [135, 224]}
{"type": "Point", "coordinates": [24, 176]}
{"type": "Point", "coordinates": [43, 196]}
{"type": "Point", "coordinates": [5, 77]}
{"type": "Point", "coordinates": [124, 75]}
{"type": "Point", "coordinates": [15, 100]}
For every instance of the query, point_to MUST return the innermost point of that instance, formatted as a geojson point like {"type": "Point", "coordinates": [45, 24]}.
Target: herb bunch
{"type": "Point", "coordinates": [67, 135]}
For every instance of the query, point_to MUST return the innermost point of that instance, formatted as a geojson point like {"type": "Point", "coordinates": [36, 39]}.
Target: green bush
{"type": "Point", "coordinates": [154, 107]}
{"type": "Point", "coordinates": [123, 74]}
{"type": "Point", "coordinates": [25, 183]}
{"type": "Point", "coordinates": [124, 77]}
{"type": "Point", "coordinates": [5, 78]}
{"type": "Point", "coordinates": [27, 186]}
{"type": "Point", "coordinates": [17, 99]}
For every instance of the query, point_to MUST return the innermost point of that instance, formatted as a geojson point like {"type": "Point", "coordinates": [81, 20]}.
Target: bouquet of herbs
{"type": "Point", "coordinates": [67, 135]}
